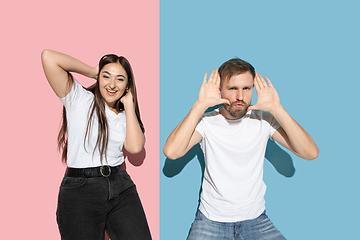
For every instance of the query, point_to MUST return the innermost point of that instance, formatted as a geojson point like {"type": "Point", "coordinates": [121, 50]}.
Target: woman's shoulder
{"type": "Point", "coordinates": [78, 94]}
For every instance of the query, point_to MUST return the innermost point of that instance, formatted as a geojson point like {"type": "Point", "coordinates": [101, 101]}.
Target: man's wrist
{"type": "Point", "coordinates": [201, 106]}
{"type": "Point", "coordinates": [277, 111]}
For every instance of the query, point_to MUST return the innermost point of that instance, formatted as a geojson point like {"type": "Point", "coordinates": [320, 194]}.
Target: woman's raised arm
{"type": "Point", "coordinates": [56, 66]}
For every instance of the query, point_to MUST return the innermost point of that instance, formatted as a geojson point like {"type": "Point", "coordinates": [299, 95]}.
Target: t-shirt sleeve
{"type": "Point", "coordinates": [75, 95]}
{"type": "Point", "coordinates": [200, 126]}
{"type": "Point", "coordinates": [274, 125]}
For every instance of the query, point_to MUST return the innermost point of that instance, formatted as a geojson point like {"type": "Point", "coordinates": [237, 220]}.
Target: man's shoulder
{"type": "Point", "coordinates": [213, 113]}
{"type": "Point", "coordinates": [209, 117]}
{"type": "Point", "coordinates": [251, 115]}
{"type": "Point", "coordinates": [258, 114]}
{"type": "Point", "coordinates": [262, 116]}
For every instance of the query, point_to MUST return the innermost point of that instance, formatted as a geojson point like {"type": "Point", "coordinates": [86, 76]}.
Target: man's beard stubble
{"type": "Point", "coordinates": [234, 111]}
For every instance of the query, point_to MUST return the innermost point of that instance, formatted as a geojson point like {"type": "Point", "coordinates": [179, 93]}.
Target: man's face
{"type": "Point", "coordinates": [238, 90]}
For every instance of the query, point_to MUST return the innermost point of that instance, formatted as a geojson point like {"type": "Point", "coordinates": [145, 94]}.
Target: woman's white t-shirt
{"type": "Point", "coordinates": [77, 104]}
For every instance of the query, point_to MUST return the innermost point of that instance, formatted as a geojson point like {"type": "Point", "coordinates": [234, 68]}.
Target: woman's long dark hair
{"type": "Point", "coordinates": [98, 108]}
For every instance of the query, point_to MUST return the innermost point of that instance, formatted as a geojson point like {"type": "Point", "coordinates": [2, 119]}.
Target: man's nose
{"type": "Point", "coordinates": [239, 95]}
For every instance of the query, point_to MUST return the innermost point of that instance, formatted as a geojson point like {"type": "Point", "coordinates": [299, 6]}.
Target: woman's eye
{"type": "Point", "coordinates": [105, 76]}
{"type": "Point", "coordinates": [120, 79]}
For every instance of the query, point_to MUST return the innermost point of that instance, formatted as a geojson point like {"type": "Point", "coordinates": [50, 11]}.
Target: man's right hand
{"type": "Point", "coordinates": [184, 136]}
{"type": "Point", "coordinates": [209, 94]}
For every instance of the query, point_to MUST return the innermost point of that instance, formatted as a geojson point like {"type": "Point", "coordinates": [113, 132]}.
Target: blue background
{"type": "Point", "coordinates": [310, 51]}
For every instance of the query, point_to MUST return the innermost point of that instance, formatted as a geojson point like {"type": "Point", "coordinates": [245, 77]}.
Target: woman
{"type": "Point", "coordinates": [95, 194]}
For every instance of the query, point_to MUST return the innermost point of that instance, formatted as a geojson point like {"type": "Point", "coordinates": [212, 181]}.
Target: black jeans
{"type": "Point", "coordinates": [87, 207]}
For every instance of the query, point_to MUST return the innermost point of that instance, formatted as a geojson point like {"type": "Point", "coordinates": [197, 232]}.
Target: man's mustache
{"type": "Point", "coordinates": [236, 102]}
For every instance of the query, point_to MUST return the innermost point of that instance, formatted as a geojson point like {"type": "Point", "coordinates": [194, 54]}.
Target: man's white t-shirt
{"type": "Point", "coordinates": [233, 188]}
{"type": "Point", "coordinates": [77, 104]}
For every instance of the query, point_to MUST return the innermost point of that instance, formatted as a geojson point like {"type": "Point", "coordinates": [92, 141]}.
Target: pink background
{"type": "Point", "coordinates": [30, 111]}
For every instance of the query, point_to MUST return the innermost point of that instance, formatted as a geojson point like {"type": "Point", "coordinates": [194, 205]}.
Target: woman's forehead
{"type": "Point", "coordinates": [114, 69]}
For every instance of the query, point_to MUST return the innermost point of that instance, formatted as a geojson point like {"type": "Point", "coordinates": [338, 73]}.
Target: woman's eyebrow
{"type": "Point", "coordinates": [119, 75]}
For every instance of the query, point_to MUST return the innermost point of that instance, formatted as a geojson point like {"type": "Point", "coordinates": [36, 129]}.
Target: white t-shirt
{"type": "Point", "coordinates": [233, 188]}
{"type": "Point", "coordinates": [77, 104]}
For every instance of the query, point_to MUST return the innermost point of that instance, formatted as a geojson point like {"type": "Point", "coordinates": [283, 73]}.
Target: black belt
{"type": "Point", "coordinates": [103, 171]}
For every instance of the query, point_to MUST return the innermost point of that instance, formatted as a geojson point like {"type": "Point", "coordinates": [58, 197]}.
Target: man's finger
{"type": "Point", "coordinates": [262, 82]}
{"type": "Point", "coordinates": [224, 100]}
{"type": "Point", "coordinates": [212, 77]}
{"type": "Point", "coordinates": [256, 83]}
{"type": "Point", "coordinates": [251, 108]}
{"type": "Point", "coordinates": [217, 78]}
{"type": "Point", "coordinates": [205, 78]}
{"type": "Point", "coordinates": [269, 82]}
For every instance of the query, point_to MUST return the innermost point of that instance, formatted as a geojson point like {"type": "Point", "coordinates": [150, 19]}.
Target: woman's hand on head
{"type": "Point", "coordinates": [96, 72]}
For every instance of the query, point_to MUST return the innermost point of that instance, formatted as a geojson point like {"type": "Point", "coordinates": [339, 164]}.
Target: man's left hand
{"type": "Point", "coordinates": [268, 98]}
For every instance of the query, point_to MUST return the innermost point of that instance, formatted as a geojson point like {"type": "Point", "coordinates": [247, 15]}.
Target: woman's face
{"type": "Point", "coordinates": [113, 82]}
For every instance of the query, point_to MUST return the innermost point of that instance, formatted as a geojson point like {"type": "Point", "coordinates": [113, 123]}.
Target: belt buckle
{"type": "Point", "coordinates": [101, 171]}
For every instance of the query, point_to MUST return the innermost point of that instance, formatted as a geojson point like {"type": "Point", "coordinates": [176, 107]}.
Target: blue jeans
{"type": "Point", "coordinates": [87, 207]}
{"type": "Point", "coordinates": [259, 228]}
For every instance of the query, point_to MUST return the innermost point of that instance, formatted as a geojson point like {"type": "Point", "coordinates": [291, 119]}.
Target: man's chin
{"type": "Point", "coordinates": [238, 112]}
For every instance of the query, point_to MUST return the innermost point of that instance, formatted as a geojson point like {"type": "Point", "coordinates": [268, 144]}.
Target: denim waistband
{"type": "Point", "coordinates": [102, 171]}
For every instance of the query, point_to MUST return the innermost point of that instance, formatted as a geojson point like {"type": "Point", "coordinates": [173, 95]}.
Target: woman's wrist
{"type": "Point", "coordinates": [128, 105]}
{"type": "Point", "coordinates": [95, 72]}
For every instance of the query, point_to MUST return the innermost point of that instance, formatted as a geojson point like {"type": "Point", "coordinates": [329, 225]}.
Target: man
{"type": "Point", "coordinates": [233, 139]}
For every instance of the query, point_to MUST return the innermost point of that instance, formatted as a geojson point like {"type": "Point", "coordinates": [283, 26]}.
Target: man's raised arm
{"type": "Point", "coordinates": [184, 136]}
{"type": "Point", "coordinates": [290, 135]}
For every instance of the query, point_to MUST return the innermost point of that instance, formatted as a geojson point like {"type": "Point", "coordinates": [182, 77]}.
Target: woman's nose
{"type": "Point", "coordinates": [112, 83]}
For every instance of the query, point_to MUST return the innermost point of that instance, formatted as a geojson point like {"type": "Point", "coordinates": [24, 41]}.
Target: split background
{"type": "Point", "coordinates": [309, 49]}
{"type": "Point", "coordinates": [31, 112]}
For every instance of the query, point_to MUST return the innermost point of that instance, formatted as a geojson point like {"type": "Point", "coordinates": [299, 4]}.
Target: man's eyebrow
{"type": "Point", "coordinates": [120, 75]}
{"type": "Point", "coordinates": [245, 86]}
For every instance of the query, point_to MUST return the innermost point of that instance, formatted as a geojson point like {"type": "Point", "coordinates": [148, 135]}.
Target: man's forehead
{"type": "Point", "coordinates": [245, 78]}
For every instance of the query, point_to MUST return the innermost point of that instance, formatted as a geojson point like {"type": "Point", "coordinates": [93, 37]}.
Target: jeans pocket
{"type": "Point", "coordinates": [73, 182]}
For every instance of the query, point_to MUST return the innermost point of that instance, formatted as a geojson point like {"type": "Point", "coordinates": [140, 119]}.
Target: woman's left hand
{"type": "Point", "coordinates": [127, 99]}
